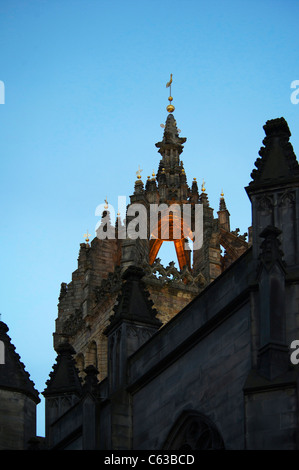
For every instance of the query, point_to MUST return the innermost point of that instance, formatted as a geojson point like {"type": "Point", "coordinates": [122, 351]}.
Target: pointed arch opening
{"type": "Point", "coordinates": [170, 227]}
{"type": "Point", "coordinates": [194, 431]}
{"type": "Point", "coordinates": [91, 357]}
{"type": "Point", "coordinates": [80, 364]}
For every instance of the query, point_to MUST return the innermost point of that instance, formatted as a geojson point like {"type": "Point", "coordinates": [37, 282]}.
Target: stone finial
{"type": "Point", "coordinates": [138, 189]}
{"type": "Point", "coordinates": [91, 381]}
{"type": "Point", "coordinates": [222, 204]}
{"type": "Point", "coordinates": [171, 136]}
{"type": "Point", "coordinates": [64, 377]}
{"type": "Point", "coordinates": [277, 160]}
{"type": "Point", "coordinates": [134, 303]}
{"type": "Point", "coordinates": [63, 290]}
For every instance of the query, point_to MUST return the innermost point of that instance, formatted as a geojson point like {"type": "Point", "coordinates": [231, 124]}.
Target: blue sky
{"type": "Point", "coordinates": [84, 99]}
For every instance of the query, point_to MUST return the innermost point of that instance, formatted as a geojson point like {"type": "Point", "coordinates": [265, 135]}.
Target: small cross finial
{"type": "Point", "coordinates": [203, 186]}
{"type": "Point", "coordinates": [106, 203]}
{"type": "Point", "coordinates": [222, 194]}
{"type": "Point", "coordinates": [138, 172]}
{"type": "Point", "coordinates": [86, 236]}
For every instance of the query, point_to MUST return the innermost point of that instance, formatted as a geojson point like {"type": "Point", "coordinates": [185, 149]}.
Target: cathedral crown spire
{"type": "Point", "coordinates": [171, 138]}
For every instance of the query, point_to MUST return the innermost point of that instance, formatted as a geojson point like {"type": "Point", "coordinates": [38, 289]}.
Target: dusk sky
{"type": "Point", "coordinates": [84, 85]}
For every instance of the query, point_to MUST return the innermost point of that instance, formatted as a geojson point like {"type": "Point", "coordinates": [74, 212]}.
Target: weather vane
{"type": "Point", "coordinates": [203, 186]}
{"type": "Point", "coordinates": [170, 108]}
{"type": "Point", "coordinates": [138, 172]}
{"type": "Point", "coordinates": [106, 203]}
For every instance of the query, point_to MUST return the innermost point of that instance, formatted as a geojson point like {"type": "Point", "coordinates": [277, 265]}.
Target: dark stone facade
{"type": "Point", "coordinates": [196, 357]}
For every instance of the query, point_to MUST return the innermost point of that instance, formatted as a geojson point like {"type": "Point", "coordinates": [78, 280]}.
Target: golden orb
{"type": "Point", "coordinates": [170, 108]}
{"type": "Point", "coordinates": [170, 98]}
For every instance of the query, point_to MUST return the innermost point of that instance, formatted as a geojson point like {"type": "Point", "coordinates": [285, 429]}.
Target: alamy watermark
{"type": "Point", "coordinates": [2, 353]}
{"type": "Point", "coordinates": [2, 92]}
{"type": "Point", "coordinates": [294, 95]}
{"type": "Point", "coordinates": [295, 354]}
{"type": "Point", "coordinates": [167, 222]}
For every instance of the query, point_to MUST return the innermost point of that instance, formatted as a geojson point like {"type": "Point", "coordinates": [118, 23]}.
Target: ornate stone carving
{"type": "Point", "coordinates": [271, 252]}
{"type": "Point", "coordinates": [265, 203]}
{"type": "Point", "coordinates": [109, 285]}
{"type": "Point", "coordinates": [141, 333]}
{"type": "Point", "coordinates": [287, 199]}
{"type": "Point", "coordinates": [172, 277]}
{"type": "Point", "coordinates": [63, 291]}
{"type": "Point", "coordinates": [73, 323]}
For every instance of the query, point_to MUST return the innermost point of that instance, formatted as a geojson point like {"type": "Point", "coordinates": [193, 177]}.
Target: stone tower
{"type": "Point", "coordinates": [87, 302]}
{"type": "Point", "coordinates": [274, 195]}
{"type": "Point", "coordinates": [18, 398]}
{"type": "Point", "coordinates": [139, 365]}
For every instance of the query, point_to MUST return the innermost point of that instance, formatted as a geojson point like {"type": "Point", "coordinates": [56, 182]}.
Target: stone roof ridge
{"type": "Point", "coordinates": [12, 373]}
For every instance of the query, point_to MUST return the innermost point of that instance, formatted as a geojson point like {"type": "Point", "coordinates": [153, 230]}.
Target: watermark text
{"type": "Point", "coordinates": [157, 221]}
{"type": "Point", "coordinates": [295, 94]}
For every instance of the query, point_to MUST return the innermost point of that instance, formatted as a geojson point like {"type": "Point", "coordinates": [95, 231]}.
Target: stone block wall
{"type": "Point", "coordinates": [271, 419]}
{"type": "Point", "coordinates": [208, 378]}
{"type": "Point", "coordinates": [17, 420]}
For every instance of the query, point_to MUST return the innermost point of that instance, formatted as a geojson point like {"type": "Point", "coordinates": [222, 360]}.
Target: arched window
{"type": "Point", "coordinates": [193, 431]}
{"type": "Point", "coordinates": [170, 225]}
{"type": "Point", "coordinates": [91, 357]}
{"type": "Point", "coordinates": [80, 363]}
{"type": "Point", "coordinates": [103, 352]}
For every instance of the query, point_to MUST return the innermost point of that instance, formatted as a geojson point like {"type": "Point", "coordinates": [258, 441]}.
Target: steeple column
{"type": "Point", "coordinates": [274, 190]}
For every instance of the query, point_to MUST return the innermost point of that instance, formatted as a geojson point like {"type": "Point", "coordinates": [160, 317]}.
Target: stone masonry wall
{"type": "Point", "coordinates": [271, 419]}
{"type": "Point", "coordinates": [208, 378]}
{"type": "Point", "coordinates": [17, 420]}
